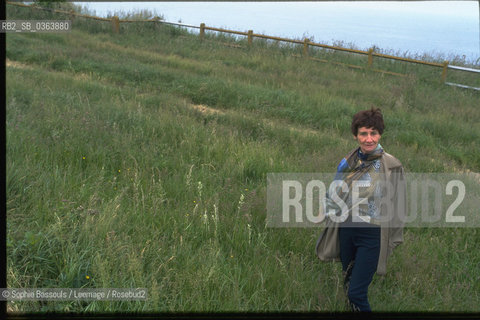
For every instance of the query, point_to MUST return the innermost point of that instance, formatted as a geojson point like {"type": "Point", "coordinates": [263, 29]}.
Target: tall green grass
{"type": "Point", "coordinates": [112, 173]}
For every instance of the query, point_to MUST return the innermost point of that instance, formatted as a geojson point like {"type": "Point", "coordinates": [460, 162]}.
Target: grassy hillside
{"type": "Point", "coordinates": [139, 159]}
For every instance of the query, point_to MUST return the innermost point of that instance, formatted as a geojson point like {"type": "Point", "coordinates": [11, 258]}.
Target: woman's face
{"type": "Point", "coordinates": [367, 139]}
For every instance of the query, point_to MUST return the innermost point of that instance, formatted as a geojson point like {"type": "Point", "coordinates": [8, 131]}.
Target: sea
{"type": "Point", "coordinates": [445, 30]}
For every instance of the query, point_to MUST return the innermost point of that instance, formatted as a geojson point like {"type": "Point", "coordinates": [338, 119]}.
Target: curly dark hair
{"type": "Point", "coordinates": [372, 118]}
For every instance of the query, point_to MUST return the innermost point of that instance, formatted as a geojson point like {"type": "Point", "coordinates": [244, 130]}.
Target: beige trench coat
{"type": "Point", "coordinates": [391, 234]}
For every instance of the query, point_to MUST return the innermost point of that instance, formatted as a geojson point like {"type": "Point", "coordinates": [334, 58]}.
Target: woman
{"type": "Point", "coordinates": [375, 203]}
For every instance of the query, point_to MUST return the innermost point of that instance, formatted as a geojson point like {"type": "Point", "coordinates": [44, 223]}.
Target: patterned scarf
{"type": "Point", "coordinates": [359, 164]}
{"type": "Point", "coordinates": [363, 168]}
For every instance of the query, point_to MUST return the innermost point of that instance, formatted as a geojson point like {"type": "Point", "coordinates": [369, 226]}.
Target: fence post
{"type": "Point", "coordinates": [305, 47]}
{"type": "Point", "coordinates": [115, 24]}
{"type": "Point", "coordinates": [250, 37]}
{"type": "Point", "coordinates": [156, 20]}
{"type": "Point", "coordinates": [202, 31]}
{"type": "Point", "coordinates": [72, 15]}
{"type": "Point", "coordinates": [444, 72]}
{"type": "Point", "coordinates": [370, 57]}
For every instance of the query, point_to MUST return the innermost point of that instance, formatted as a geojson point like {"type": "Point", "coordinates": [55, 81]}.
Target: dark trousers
{"type": "Point", "coordinates": [359, 244]}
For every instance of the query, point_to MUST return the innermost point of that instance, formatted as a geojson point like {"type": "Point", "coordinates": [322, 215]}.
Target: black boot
{"type": "Point", "coordinates": [353, 307]}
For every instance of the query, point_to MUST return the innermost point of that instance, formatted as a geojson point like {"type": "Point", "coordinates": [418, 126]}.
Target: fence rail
{"type": "Point", "coordinates": [464, 69]}
{"type": "Point", "coordinates": [306, 43]}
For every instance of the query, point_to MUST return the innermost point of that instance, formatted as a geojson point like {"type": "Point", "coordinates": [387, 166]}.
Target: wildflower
{"type": "Point", "coordinates": [87, 277]}
{"type": "Point", "coordinates": [241, 201]}
{"type": "Point", "coordinates": [119, 170]}
{"type": "Point", "coordinates": [200, 187]}
{"type": "Point", "coordinates": [205, 218]}
{"type": "Point", "coordinates": [83, 158]}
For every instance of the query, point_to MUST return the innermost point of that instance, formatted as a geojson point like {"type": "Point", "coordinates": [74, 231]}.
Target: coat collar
{"type": "Point", "coordinates": [389, 161]}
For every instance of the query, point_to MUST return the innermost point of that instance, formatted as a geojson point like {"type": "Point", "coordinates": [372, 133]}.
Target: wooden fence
{"type": "Point", "coordinates": [115, 21]}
